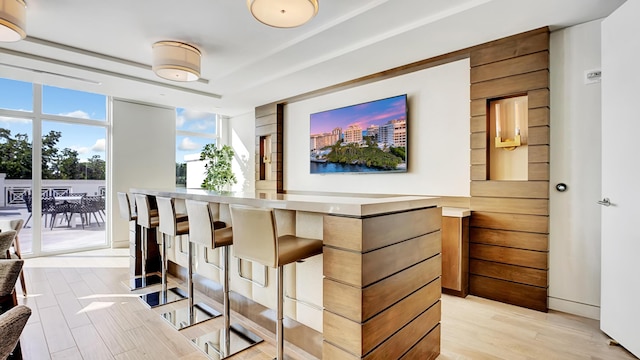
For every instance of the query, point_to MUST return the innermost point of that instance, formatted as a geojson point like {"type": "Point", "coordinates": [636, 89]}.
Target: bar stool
{"type": "Point", "coordinates": [179, 224]}
{"type": "Point", "coordinates": [150, 220]}
{"type": "Point", "coordinates": [171, 225]}
{"type": "Point", "coordinates": [256, 239]}
{"type": "Point", "coordinates": [212, 233]}
{"type": "Point", "coordinates": [128, 212]}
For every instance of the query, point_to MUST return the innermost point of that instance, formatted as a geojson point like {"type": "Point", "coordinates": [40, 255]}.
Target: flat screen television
{"type": "Point", "coordinates": [366, 138]}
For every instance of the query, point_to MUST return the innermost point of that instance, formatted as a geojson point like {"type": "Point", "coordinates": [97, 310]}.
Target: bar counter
{"type": "Point", "coordinates": [326, 204]}
{"type": "Point", "coordinates": [379, 272]}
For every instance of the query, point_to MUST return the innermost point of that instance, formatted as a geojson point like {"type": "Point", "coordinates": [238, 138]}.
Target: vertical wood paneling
{"type": "Point", "coordinates": [538, 98]}
{"type": "Point", "coordinates": [538, 154]}
{"type": "Point", "coordinates": [268, 122]}
{"type": "Point", "coordinates": [478, 107]}
{"type": "Point", "coordinates": [478, 172]}
{"type": "Point", "coordinates": [478, 123]}
{"type": "Point", "coordinates": [509, 224]}
{"type": "Point", "coordinates": [513, 46]}
{"type": "Point", "coordinates": [478, 157]}
{"type": "Point", "coordinates": [510, 67]}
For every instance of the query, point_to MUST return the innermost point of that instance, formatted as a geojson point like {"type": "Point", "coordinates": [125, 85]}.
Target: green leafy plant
{"type": "Point", "coordinates": [219, 174]}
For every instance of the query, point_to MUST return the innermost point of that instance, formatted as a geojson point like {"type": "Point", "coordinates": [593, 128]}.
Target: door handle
{"type": "Point", "coordinates": [604, 202]}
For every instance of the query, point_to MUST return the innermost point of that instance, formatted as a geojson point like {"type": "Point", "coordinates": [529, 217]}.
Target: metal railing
{"type": "Point", "coordinates": [15, 195]}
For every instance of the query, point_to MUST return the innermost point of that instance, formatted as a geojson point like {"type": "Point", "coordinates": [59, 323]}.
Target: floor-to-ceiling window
{"type": "Point", "coordinates": [194, 129]}
{"type": "Point", "coordinates": [52, 144]}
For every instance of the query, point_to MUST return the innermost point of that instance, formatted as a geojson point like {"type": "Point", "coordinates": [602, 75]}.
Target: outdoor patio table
{"type": "Point", "coordinates": [61, 199]}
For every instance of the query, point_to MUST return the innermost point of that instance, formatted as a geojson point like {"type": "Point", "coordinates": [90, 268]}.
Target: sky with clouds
{"type": "Point", "coordinates": [377, 112]}
{"type": "Point", "coordinates": [193, 122]}
{"type": "Point", "coordinates": [86, 140]}
{"type": "Point", "coordinates": [90, 140]}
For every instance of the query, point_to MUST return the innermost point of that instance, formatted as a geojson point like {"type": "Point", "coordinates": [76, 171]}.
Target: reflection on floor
{"type": "Point", "coordinates": [82, 310]}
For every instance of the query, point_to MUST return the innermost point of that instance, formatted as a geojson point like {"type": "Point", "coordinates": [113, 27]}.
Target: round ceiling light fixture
{"type": "Point", "coordinates": [283, 13]}
{"type": "Point", "coordinates": [176, 61]}
{"type": "Point", "coordinates": [13, 20]}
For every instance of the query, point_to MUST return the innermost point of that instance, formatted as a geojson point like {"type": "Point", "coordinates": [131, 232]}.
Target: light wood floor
{"type": "Point", "coordinates": [81, 310]}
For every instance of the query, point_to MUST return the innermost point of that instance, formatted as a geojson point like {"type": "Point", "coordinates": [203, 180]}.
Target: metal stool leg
{"type": "Point", "coordinates": [143, 280]}
{"type": "Point", "coordinates": [164, 265]}
{"type": "Point", "coordinates": [193, 313]}
{"type": "Point", "coordinates": [280, 319]}
{"type": "Point", "coordinates": [233, 338]}
{"type": "Point", "coordinates": [227, 306]}
{"type": "Point", "coordinates": [165, 295]}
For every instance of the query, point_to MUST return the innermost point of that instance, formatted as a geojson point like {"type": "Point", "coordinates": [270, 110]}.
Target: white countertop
{"type": "Point", "coordinates": [455, 212]}
{"type": "Point", "coordinates": [327, 204]}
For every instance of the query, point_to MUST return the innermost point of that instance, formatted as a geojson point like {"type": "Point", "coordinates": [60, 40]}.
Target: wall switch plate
{"type": "Point", "coordinates": [592, 76]}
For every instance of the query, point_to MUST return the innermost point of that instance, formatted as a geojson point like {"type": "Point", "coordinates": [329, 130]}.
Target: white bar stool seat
{"type": "Point", "coordinates": [173, 224]}
{"type": "Point", "coordinates": [212, 234]}
{"type": "Point", "coordinates": [167, 224]}
{"type": "Point", "coordinates": [255, 238]}
{"type": "Point", "coordinates": [128, 212]}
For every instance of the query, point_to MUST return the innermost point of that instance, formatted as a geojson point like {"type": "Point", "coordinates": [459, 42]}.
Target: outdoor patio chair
{"type": "Point", "coordinates": [16, 225]}
{"type": "Point", "coordinates": [87, 206]}
{"type": "Point", "coordinates": [27, 201]}
{"type": "Point", "coordinates": [76, 194]}
{"type": "Point", "coordinates": [53, 209]}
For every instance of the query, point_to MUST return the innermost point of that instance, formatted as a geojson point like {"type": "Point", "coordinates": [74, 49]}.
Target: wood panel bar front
{"type": "Point", "coordinates": [381, 291]}
{"type": "Point", "coordinates": [381, 269]}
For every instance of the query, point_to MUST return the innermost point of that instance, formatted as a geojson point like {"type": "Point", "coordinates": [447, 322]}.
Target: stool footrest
{"type": "Point", "coordinates": [142, 282]}
{"type": "Point", "coordinates": [240, 339]}
{"type": "Point", "coordinates": [186, 316]}
{"type": "Point", "coordinates": [159, 298]}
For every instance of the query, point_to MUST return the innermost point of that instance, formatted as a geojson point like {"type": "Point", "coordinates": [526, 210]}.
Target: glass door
{"type": "Point", "coordinates": [53, 166]}
{"type": "Point", "coordinates": [15, 174]}
{"type": "Point", "coordinates": [17, 124]}
{"type": "Point", "coordinates": [73, 186]}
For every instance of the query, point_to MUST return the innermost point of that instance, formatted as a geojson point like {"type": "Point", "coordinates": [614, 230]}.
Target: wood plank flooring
{"type": "Point", "coordinates": [82, 310]}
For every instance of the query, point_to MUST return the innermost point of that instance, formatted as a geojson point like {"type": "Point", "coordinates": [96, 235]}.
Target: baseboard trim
{"type": "Point", "coordinates": [120, 244]}
{"type": "Point", "coordinates": [575, 308]}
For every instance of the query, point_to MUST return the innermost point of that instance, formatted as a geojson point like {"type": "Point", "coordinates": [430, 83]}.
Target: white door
{"type": "Point", "coordinates": [620, 299]}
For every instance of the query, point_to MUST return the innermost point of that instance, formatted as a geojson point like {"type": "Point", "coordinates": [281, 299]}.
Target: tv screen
{"type": "Point", "coordinates": [364, 138]}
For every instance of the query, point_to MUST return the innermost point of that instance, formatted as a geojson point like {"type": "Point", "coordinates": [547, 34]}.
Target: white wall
{"type": "Point", "coordinates": [142, 155]}
{"type": "Point", "coordinates": [240, 135]}
{"type": "Point", "coordinates": [438, 126]}
{"type": "Point", "coordinates": [574, 256]}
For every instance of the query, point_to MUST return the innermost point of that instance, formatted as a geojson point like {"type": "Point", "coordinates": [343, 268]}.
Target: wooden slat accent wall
{"type": "Point", "coordinates": [500, 222]}
{"type": "Point", "coordinates": [269, 120]}
{"type": "Point", "coordinates": [510, 219]}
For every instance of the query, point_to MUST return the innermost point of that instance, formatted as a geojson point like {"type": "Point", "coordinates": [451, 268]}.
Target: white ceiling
{"type": "Point", "coordinates": [245, 63]}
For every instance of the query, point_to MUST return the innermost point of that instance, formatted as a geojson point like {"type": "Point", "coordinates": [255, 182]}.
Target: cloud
{"type": "Point", "coordinates": [197, 115]}
{"type": "Point", "coordinates": [76, 114]}
{"type": "Point", "coordinates": [80, 149]}
{"type": "Point", "coordinates": [204, 125]}
{"type": "Point", "coordinates": [99, 146]}
{"type": "Point", "coordinates": [187, 145]}
{"type": "Point", "coordinates": [10, 120]}
{"type": "Point", "coordinates": [197, 120]}
{"type": "Point", "coordinates": [180, 120]}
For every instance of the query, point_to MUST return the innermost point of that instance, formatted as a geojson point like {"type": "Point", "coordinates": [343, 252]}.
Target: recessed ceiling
{"type": "Point", "coordinates": [247, 64]}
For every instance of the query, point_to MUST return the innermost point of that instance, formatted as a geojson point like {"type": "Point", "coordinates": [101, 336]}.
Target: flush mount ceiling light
{"type": "Point", "coordinates": [283, 13]}
{"type": "Point", "coordinates": [176, 61]}
{"type": "Point", "coordinates": [13, 20]}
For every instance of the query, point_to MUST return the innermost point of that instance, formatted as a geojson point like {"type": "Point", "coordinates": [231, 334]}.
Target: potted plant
{"type": "Point", "coordinates": [219, 175]}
